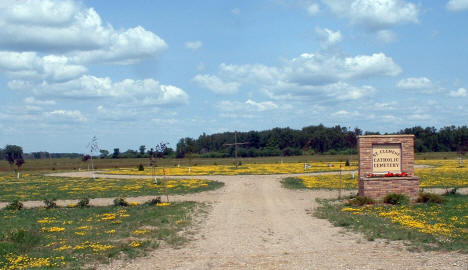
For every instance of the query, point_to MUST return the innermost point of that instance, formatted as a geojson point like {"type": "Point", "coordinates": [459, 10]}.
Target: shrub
{"type": "Point", "coordinates": [120, 202]}
{"type": "Point", "coordinates": [427, 197]}
{"type": "Point", "coordinates": [396, 199]}
{"type": "Point", "coordinates": [361, 200]}
{"type": "Point", "coordinates": [451, 192]}
{"type": "Point", "coordinates": [83, 202]}
{"type": "Point", "coordinates": [141, 167]}
{"type": "Point", "coordinates": [26, 239]}
{"type": "Point", "coordinates": [15, 205]}
{"type": "Point", "coordinates": [155, 201]}
{"type": "Point", "coordinates": [49, 204]}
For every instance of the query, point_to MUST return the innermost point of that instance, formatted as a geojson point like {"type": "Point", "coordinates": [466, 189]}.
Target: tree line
{"type": "Point", "coordinates": [314, 139]}
{"type": "Point", "coordinates": [274, 142]}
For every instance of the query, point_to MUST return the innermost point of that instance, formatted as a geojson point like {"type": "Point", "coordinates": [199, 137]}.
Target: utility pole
{"type": "Point", "coordinates": [236, 144]}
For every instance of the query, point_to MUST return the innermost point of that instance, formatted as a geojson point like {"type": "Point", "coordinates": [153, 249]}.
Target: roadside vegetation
{"type": "Point", "coordinates": [442, 174]}
{"type": "Point", "coordinates": [35, 186]}
{"type": "Point", "coordinates": [74, 238]}
{"type": "Point", "coordinates": [433, 225]}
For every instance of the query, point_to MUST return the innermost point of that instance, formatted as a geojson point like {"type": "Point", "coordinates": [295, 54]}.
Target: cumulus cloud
{"type": "Point", "coordinates": [28, 65]}
{"type": "Point", "coordinates": [249, 106]}
{"type": "Point", "coordinates": [193, 45]}
{"type": "Point", "coordinates": [68, 27]}
{"type": "Point", "coordinates": [345, 114]}
{"type": "Point", "coordinates": [261, 106]}
{"type": "Point", "coordinates": [145, 92]}
{"type": "Point", "coordinates": [34, 101]}
{"type": "Point", "coordinates": [461, 92]}
{"type": "Point", "coordinates": [321, 77]}
{"type": "Point", "coordinates": [317, 69]}
{"type": "Point", "coordinates": [457, 5]}
{"type": "Point", "coordinates": [375, 14]}
{"type": "Point", "coordinates": [313, 9]}
{"type": "Point", "coordinates": [216, 85]}
{"type": "Point", "coordinates": [66, 116]}
{"type": "Point", "coordinates": [419, 84]}
{"type": "Point", "coordinates": [328, 37]}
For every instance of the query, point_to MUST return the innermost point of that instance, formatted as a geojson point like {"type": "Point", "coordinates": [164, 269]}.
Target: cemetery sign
{"type": "Point", "coordinates": [386, 165]}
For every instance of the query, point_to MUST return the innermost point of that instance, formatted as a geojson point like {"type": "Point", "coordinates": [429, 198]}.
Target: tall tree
{"type": "Point", "coordinates": [116, 153]}
{"type": "Point", "coordinates": [142, 150]}
{"type": "Point", "coordinates": [13, 153]}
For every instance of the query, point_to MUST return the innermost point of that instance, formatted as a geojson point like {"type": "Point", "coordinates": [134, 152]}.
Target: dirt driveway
{"type": "Point", "coordinates": [254, 223]}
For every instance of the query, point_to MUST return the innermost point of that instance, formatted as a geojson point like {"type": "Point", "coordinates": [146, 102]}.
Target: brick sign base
{"type": "Point", "coordinates": [401, 159]}
{"type": "Point", "coordinates": [378, 187]}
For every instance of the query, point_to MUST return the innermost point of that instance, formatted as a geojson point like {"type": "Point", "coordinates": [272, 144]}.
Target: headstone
{"type": "Point", "coordinates": [386, 165]}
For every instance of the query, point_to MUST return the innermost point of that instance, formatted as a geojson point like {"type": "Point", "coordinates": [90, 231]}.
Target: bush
{"type": "Point", "coordinates": [361, 200]}
{"type": "Point", "coordinates": [83, 202]}
{"type": "Point", "coordinates": [26, 239]}
{"type": "Point", "coordinates": [396, 199]}
{"type": "Point", "coordinates": [155, 201]}
{"type": "Point", "coordinates": [451, 192]}
{"type": "Point", "coordinates": [15, 205]}
{"type": "Point", "coordinates": [49, 204]}
{"type": "Point", "coordinates": [141, 167]}
{"type": "Point", "coordinates": [427, 197]}
{"type": "Point", "coordinates": [120, 202]}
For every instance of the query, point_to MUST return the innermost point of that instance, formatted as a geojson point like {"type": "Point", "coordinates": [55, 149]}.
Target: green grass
{"type": "Point", "coordinates": [84, 236]}
{"type": "Point", "coordinates": [423, 226]}
{"type": "Point", "coordinates": [36, 186]}
{"type": "Point", "coordinates": [293, 183]}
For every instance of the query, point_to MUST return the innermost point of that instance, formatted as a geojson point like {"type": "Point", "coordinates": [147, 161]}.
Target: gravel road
{"type": "Point", "coordinates": [254, 223]}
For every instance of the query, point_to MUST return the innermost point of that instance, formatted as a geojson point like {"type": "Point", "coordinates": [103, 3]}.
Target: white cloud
{"type": "Point", "coordinates": [317, 69]}
{"type": "Point", "coordinates": [66, 115]}
{"type": "Point", "coordinates": [68, 27]}
{"type": "Point", "coordinates": [386, 36]}
{"type": "Point", "coordinates": [249, 106]}
{"type": "Point", "coordinates": [262, 106]}
{"type": "Point", "coordinates": [30, 66]}
{"type": "Point", "coordinates": [327, 37]}
{"type": "Point", "coordinates": [322, 78]}
{"type": "Point", "coordinates": [250, 73]}
{"type": "Point", "coordinates": [345, 114]}
{"type": "Point", "coordinates": [127, 47]}
{"type": "Point", "coordinates": [461, 92]}
{"type": "Point", "coordinates": [419, 84]}
{"type": "Point", "coordinates": [313, 9]}
{"type": "Point", "coordinates": [33, 101]}
{"type": "Point", "coordinates": [419, 117]}
{"type": "Point", "coordinates": [193, 45]}
{"type": "Point", "coordinates": [143, 92]}
{"type": "Point", "coordinates": [216, 85]}
{"type": "Point", "coordinates": [375, 14]}
{"type": "Point", "coordinates": [457, 5]}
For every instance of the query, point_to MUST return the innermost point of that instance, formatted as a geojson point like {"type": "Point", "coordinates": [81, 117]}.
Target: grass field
{"type": "Point", "coordinates": [75, 164]}
{"type": "Point", "coordinates": [73, 238]}
{"type": "Point", "coordinates": [35, 186]}
{"type": "Point", "coordinates": [428, 226]}
{"type": "Point", "coordinates": [443, 174]}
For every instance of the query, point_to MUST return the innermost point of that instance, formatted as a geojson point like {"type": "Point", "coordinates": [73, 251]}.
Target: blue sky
{"type": "Point", "coordinates": [142, 72]}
